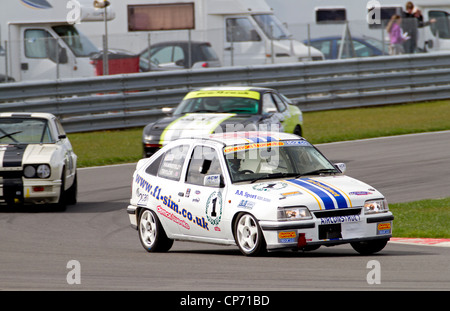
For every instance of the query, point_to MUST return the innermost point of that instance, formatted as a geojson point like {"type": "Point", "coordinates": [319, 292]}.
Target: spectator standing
{"type": "Point", "coordinates": [396, 37]}
{"type": "Point", "coordinates": [412, 21]}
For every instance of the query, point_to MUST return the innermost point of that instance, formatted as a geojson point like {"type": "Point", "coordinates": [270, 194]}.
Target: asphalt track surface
{"type": "Point", "coordinates": [37, 247]}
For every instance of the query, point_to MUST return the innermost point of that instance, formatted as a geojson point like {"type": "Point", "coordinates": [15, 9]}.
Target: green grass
{"type": "Point", "coordinates": [349, 124]}
{"type": "Point", "coordinates": [425, 219]}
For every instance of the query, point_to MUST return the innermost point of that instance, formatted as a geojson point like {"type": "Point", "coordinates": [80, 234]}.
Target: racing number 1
{"type": "Point", "coordinates": [213, 212]}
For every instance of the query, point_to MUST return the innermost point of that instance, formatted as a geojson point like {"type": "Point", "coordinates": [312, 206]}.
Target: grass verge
{"type": "Point", "coordinates": [425, 219]}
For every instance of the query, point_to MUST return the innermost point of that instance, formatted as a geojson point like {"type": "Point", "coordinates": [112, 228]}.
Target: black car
{"type": "Point", "coordinates": [224, 109]}
{"type": "Point", "coordinates": [172, 55]}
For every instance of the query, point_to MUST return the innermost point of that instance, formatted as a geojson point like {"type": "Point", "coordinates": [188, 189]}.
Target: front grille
{"type": "Point", "coordinates": [11, 174]}
{"type": "Point", "coordinates": [338, 212]}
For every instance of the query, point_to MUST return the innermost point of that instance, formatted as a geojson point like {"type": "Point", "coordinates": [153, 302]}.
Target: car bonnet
{"type": "Point", "coordinates": [199, 125]}
{"type": "Point", "coordinates": [315, 192]}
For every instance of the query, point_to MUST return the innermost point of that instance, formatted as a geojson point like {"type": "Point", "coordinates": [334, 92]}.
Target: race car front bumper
{"type": "Point", "coordinates": [17, 191]}
{"type": "Point", "coordinates": [330, 231]}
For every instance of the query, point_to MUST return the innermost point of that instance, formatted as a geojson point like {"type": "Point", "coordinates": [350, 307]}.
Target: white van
{"type": "Point", "coordinates": [242, 32]}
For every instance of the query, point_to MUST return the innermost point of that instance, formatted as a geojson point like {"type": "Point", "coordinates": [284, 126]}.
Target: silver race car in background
{"type": "Point", "coordinates": [37, 163]}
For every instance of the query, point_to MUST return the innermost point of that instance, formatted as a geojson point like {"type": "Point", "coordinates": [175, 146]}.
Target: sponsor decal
{"type": "Point", "coordinates": [167, 201]}
{"type": "Point", "coordinates": [289, 194]}
{"type": "Point", "coordinates": [384, 228]}
{"type": "Point", "coordinates": [251, 196]}
{"type": "Point", "coordinates": [360, 193]}
{"type": "Point", "coordinates": [287, 236]}
{"type": "Point", "coordinates": [339, 219]}
{"type": "Point", "coordinates": [172, 217]}
{"type": "Point", "coordinates": [253, 146]}
{"type": "Point", "coordinates": [297, 142]}
{"type": "Point", "coordinates": [270, 186]}
{"type": "Point", "coordinates": [246, 204]}
{"type": "Point", "coordinates": [224, 93]}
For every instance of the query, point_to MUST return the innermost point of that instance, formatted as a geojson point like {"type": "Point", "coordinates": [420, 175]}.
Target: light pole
{"type": "Point", "coordinates": [103, 4]}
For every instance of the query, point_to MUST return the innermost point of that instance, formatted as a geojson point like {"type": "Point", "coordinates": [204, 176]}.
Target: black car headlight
{"type": "Point", "coordinates": [37, 171]}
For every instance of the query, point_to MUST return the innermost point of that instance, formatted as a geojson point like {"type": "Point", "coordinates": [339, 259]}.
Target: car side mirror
{"type": "Point", "coordinates": [341, 166]}
{"type": "Point", "coordinates": [215, 181]}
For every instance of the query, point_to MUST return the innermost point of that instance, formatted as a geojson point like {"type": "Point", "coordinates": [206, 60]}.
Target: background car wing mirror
{"type": "Point", "coordinates": [167, 110]}
{"type": "Point", "coordinates": [341, 166]}
{"type": "Point", "coordinates": [215, 180]}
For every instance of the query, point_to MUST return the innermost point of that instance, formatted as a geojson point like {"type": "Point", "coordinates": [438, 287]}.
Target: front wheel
{"type": "Point", "coordinates": [151, 233]}
{"type": "Point", "coordinates": [248, 236]}
{"type": "Point", "coordinates": [369, 247]}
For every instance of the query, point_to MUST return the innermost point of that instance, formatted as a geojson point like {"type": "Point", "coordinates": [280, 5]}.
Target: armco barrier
{"type": "Point", "coordinates": [133, 100]}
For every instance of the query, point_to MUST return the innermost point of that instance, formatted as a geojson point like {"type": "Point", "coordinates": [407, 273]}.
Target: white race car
{"type": "Point", "coordinates": [257, 190]}
{"type": "Point", "coordinates": [37, 163]}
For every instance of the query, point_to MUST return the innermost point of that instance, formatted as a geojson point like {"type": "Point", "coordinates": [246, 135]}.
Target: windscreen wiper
{"type": "Point", "coordinates": [10, 135]}
{"type": "Point", "coordinates": [321, 171]}
{"type": "Point", "coordinates": [276, 175]}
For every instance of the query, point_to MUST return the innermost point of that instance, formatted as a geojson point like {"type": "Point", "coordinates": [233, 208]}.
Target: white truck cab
{"type": "Point", "coordinates": [39, 39]}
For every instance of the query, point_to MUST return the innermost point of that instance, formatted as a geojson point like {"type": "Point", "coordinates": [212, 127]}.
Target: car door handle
{"type": "Point", "coordinates": [181, 194]}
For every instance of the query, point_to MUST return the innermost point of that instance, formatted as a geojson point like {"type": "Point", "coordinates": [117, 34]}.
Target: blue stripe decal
{"type": "Point", "coordinates": [341, 201]}
{"type": "Point", "coordinates": [327, 201]}
{"type": "Point", "coordinates": [262, 139]}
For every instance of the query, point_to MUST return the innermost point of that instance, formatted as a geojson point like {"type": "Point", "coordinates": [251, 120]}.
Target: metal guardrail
{"type": "Point", "coordinates": [133, 100]}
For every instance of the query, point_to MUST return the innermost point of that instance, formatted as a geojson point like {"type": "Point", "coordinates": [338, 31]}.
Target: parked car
{"type": "Point", "coordinates": [362, 47]}
{"type": "Point", "coordinates": [257, 190]}
{"type": "Point", "coordinates": [172, 55]}
{"type": "Point", "coordinates": [224, 109]}
{"type": "Point", "coordinates": [37, 162]}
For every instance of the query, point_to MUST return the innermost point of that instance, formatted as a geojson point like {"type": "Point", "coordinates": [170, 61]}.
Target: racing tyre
{"type": "Point", "coordinates": [248, 236]}
{"type": "Point", "coordinates": [151, 233]}
{"type": "Point", "coordinates": [369, 247]}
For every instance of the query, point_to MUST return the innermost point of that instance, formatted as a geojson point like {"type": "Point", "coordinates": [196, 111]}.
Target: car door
{"type": "Point", "coordinates": [270, 109]}
{"type": "Point", "coordinates": [42, 56]}
{"type": "Point", "coordinates": [243, 44]}
{"type": "Point", "coordinates": [203, 202]}
{"type": "Point", "coordinates": [162, 189]}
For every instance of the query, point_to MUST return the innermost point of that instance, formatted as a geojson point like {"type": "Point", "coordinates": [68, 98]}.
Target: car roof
{"type": "Point", "coordinates": [42, 115]}
{"type": "Point", "coordinates": [247, 137]}
{"type": "Point", "coordinates": [224, 91]}
{"type": "Point", "coordinates": [236, 88]}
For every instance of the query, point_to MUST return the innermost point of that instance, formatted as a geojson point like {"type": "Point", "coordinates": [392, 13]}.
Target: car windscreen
{"type": "Point", "coordinates": [276, 159]}
{"type": "Point", "coordinates": [24, 131]}
{"type": "Point", "coordinates": [238, 105]}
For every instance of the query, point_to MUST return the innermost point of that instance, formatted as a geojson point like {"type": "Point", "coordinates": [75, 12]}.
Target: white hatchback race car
{"type": "Point", "coordinates": [257, 190]}
{"type": "Point", "coordinates": [37, 163]}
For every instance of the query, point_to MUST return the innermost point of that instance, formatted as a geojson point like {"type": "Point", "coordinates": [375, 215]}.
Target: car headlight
{"type": "Point", "coordinates": [294, 213]}
{"type": "Point", "coordinates": [376, 206]}
{"type": "Point", "coordinates": [37, 171]}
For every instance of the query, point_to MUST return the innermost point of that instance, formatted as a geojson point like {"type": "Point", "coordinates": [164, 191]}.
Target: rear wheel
{"type": "Point", "coordinates": [151, 233]}
{"type": "Point", "coordinates": [248, 236]}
